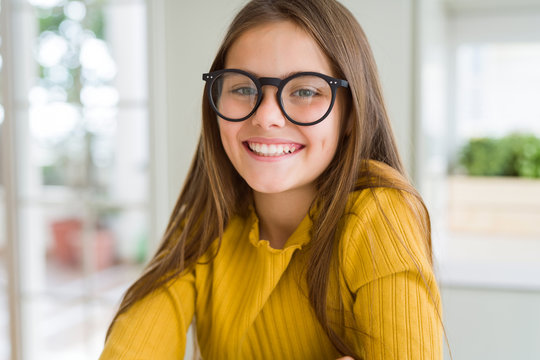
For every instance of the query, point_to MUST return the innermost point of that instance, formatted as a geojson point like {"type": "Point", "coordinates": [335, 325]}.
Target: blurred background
{"type": "Point", "coordinates": [99, 118]}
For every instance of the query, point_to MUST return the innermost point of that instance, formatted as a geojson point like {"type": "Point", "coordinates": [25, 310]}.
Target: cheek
{"type": "Point", "coordinates": [228, 132]}
{"type": "Point", "coordinates": [329, 141]}
{"type": "Point", "coordinates": [328, 134]}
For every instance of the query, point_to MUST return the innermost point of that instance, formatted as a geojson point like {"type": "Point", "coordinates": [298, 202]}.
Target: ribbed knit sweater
{"type": "Point", "coordinates": [250, 301]}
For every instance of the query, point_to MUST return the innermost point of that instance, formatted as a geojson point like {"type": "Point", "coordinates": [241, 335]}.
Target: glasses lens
{"type": "Point", "coordinates": [234, 95]}
{"type": "Point", "coordinates": [307, 98]}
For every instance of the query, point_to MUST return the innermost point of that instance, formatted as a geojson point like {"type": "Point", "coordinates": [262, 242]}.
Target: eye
{"type": "Point", "coordinates": [305, 93]}
{"type": "Point", "coordinates": [245, 91]}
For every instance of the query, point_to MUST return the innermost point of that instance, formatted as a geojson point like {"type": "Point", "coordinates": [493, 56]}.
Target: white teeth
{"type": "Point", "coordinates": [272, 149]}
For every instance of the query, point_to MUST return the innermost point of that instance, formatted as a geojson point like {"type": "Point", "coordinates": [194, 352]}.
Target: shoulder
{"type": "Point", "coordinates": [386, 195]}
{"type": "Point", "coordinates": [383, 231]}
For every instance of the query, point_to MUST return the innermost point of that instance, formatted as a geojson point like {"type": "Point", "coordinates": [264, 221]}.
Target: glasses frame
{"type": "Point", "coordinates": [277, 82]}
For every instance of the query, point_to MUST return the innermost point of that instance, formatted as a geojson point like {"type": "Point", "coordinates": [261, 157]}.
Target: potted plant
{"type": "Point", "coordinates": [497, 187]}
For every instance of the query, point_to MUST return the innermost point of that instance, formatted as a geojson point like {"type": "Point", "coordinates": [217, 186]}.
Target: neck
{"type": "Point", "coordinates": [280, 214]}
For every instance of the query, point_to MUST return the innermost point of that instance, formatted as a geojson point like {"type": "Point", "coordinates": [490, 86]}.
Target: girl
{"type": "Point", "coordinates": [296, 235]}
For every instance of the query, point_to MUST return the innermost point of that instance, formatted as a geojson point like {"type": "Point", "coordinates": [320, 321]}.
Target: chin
{"type": "Point", "coordinates": [276, 187]}
{"type": "Point", "coordinates": [267, 188]}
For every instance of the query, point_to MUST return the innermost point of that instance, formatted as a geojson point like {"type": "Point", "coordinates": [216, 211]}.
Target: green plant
{"type": "Point", "coordinates": [528, 161]}
{"type": "Point", "coordinates": [486, 157]}
{"type": "Point", "coordinates": [512, 155]}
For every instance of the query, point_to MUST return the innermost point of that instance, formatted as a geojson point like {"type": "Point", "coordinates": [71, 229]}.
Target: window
{"type": "Point", "coordinates": [497, 88]}
{"type": "Point", "coordinates": [80, 111]}
{"type": "Point", "coordinates": [489, 234]}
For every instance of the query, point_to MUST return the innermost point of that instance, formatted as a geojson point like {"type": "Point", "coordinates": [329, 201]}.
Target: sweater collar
{"type": "Point", "coordinates": [300, 237]}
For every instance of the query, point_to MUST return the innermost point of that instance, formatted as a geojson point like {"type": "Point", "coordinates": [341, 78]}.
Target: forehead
{"type": "Point", "coordinates": [277, 49]}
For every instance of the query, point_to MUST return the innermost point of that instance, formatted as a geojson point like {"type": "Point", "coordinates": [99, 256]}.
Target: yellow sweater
{"type": "Point", "coordinates": [249, 304]}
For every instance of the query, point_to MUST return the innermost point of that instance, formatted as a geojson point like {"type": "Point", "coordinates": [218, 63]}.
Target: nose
{"type": "Point", "coordinates": [269, 114]}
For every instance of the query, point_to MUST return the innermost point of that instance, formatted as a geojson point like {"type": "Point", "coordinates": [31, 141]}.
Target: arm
{"type": "Point", "coordinates": [401, 317]}
{"type": "Point", "coordinates": [156, 326]}
{"type": "Point", "coordinates": [396, 301]}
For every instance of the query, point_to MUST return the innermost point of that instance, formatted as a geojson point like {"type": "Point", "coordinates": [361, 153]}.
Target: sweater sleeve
{"type": "Point", "coordinates": [155, 327]}
{"type": "Point", "coordinates": [396, 301]}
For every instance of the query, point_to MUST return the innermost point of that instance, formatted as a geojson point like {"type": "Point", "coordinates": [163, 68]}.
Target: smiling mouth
{"type": "Point", "coordinates": [272, 150]}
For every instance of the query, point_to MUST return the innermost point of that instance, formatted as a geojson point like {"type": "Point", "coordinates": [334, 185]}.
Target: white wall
{"type": "Point", "coordinates": [388, 25]}
{"type": "Point", "coordinates": [184, 37]}
{"type": "Point", "coordinates": [495, 324]}
{"type": "Point", "coordinates": [193, 32]}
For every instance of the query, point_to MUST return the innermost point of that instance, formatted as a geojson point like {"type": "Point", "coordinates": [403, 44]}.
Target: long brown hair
{"type": "Point", "coordinates": [214, 191]}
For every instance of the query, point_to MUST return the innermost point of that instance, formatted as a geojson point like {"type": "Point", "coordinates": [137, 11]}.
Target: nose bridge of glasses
{"type": "Point", "coordinates": [276, 82]}
{"type": "Point", "coordinates": [270, 81]}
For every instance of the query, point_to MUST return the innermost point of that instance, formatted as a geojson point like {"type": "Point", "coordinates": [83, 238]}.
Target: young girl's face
{"type": "Point", "coordinates": [257, 147]}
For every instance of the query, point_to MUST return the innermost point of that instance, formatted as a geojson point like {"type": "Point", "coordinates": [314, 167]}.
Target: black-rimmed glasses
{"type": "Point", "coordinates": [305, 98]}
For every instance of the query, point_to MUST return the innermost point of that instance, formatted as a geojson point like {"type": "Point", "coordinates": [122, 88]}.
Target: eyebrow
{"type": "Point", "coordinates": [284, 76]}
